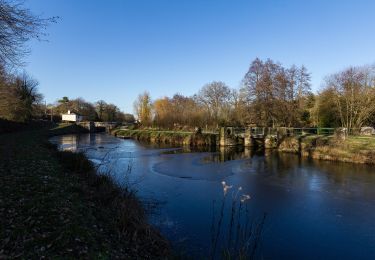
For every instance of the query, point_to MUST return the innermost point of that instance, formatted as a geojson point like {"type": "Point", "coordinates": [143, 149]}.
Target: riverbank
{"type": "Point", "coordinates": [168, 137]}
{"type": "Point", "coordinates": [53, 204]}
{"type": "Point", "coordinates": [353, 149]}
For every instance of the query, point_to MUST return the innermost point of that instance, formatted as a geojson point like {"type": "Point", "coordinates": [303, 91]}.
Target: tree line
{"type": "Point", "coordinates": [97, 111]}
{"type": "Point", "coordinates": [270, 95]}
{"type": "Point", "coordinates": [20, 99]}
{"type": "Point", "coordinates": [19, 96]}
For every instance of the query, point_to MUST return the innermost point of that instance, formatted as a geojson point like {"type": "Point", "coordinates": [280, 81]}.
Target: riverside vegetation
{"type": "Point", "coordinates": [354, 149]}
{"type": "Point", "coordinates": [167, 137]}
{"type": "Point", "coordinates": [53, 204]}
{"type": "Point", "coordinates": [238, 234]}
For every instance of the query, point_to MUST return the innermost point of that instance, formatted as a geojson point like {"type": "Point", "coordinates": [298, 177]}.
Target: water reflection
{"type": "Point", "coordinates": [316, 209]}
{"type": "Point", "coordinates": [68, 142]}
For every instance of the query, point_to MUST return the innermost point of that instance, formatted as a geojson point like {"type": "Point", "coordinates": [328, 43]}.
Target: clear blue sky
{"type": "Point", "coordinates": [114, 50]}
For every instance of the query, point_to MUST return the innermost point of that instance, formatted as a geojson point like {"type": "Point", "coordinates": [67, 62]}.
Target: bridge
{"type": "Point", "coordinates": [267, 137]}
{"type": "Point", "coordinates": [94, 127]}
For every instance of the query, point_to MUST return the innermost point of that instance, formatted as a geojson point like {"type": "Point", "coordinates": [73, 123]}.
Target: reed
{"type": "Point", "coordinates": [234, 233]}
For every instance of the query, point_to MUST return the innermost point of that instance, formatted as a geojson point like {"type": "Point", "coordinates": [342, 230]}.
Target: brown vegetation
{"type": "Point", "coordinates": [354, 149]}
{"type": "Point", "coordinates": [270, 96]}
{"type": "Point", "coordinates": [168, 137]}
{"type": "Point", "coordinates": [19, 97]}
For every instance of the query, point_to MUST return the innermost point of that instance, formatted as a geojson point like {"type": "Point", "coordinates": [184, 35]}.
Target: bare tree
{"type": "Point", "coordinates": [260, 88]}
{"type": "Point", "coordinates": [17, 26]}
{"type": "Point", "coordinates": [19, 96]}
{"type": "Point", "coordinates": [215, 96]}
{"type": "Point", "coordinates": [100, 107]}
{"type": "Point", "coordinates": [110, 113]}
{"type": "Point", "coordinates": [275, 95]}
{"type": "Point", "coordinates": [354, 95]}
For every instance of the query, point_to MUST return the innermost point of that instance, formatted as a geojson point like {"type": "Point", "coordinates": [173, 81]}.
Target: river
{"type": "Point", "coordinates": [314, 209]}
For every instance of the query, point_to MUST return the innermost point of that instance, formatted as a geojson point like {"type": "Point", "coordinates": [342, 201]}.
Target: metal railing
{"type": "Point", "coordinates": [289, 131]}
{"type": "Point", "coordinates": [312, 131]}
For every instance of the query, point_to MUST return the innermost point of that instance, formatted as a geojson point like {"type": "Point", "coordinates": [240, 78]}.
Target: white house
{"type": "Point", "coordinates": [71, 117]}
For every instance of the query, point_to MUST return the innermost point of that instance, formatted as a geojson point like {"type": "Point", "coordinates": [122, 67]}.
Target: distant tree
{"type": "Point", "coordinates": [64, 104]}
{"type": "Point", "coordinates": [239, 114]}
{"type": "Point", "coordinates": [258, 89]}
{"type": "Point", "coordinates": [87, 109]}
{"type": "Point", "coordinates": [143, 107]}
{"type": "Point", "coordinates": [178, 111]}
{"type": "Point", "coordinates": [18, 25]}
{"type": "Point", "coordinates": [128, 118]}
{"type": "Point", "coordinates": [19, 98]}
{"type": "Point", "coordinates": [122, 117]}
{"type": "Point", "coordinates": [303, 82]}
{"type": "Point", "coordinates": [353, 91]}
{"type": "Point", "coordinates": [10, 107]}
{"type": "Point", "coordinates": [100, 107]}
{"type": "Point", "coordinates": [63, 100]}
{"type": "Point", "coordinates": [185, 111]}
{"type": "Point", "coordinates": [324, 112]}
{"type": "Point", "coordinates": [215, 97]}
{"type": "Point", "coordinates": [78, 105]}
{"type": "Point", "coordinates": [163, 112]}
{"type": "Point", "coordinates": [26, 88]}
{"type": "Point", "coordinates": [298, 94]}
{"type": "Point", "coordinates": [110, 113]}
{"type": "Point", "coordinates": [274, 95]}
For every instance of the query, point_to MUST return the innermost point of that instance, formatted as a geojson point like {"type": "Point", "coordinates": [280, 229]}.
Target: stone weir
{"type": "Point", "coordinates": [250, 137]}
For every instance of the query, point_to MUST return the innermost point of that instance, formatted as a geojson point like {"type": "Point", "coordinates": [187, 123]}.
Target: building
{"type": "Point", "coordinates": [71, 117]}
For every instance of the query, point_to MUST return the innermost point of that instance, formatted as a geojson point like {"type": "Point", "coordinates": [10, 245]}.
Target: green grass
{"type": "Point", "coordinates": [358, 143]}
{"type": "Point", "coordinates": [53, 204]}
{"type": "Point", "coordinates": [354, 149]}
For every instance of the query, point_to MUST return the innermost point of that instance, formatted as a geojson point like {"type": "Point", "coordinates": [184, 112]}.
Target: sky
{"type": "Point", "coordinates": [116, 49]}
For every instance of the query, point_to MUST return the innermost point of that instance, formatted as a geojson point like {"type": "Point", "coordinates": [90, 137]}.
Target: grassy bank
{"type": "Point", "coordinates": [53, 204]}
{"type": "Point", "coordinates": [167, 137]}
{"type": "Point", "coordinates": [354, 149]}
